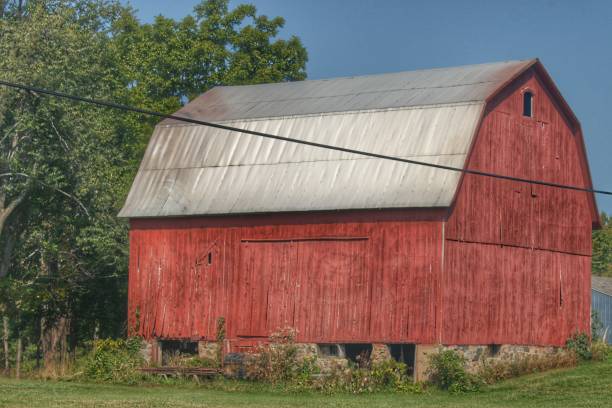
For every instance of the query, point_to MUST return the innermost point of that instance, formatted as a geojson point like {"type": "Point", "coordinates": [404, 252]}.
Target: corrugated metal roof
{"type": "Point", "coordinates": [602, 284]}
{"type": "Point", "coordinates": [428, 115]}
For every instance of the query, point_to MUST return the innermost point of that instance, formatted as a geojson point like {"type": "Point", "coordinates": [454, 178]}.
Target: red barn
{"type": "Point", "coordinates": [355, 251]}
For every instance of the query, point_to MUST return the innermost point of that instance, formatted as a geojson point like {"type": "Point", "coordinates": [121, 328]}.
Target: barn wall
{"type": "Point", "coordinates": [517, 259]}
{"type": "Point", "coordinates": [335, 278]}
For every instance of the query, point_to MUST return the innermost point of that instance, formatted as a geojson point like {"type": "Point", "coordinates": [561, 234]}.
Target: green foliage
{"type": "Point", "coordinates": [279, 363]}
{"type": "Point", "coordinates": [276, 362]}
{"type": "Point", "coordinates": [387, 376]}
{"type": "Point", "coordinates": [67, 167]}
{"type": "Point", "coordinates": [600, 351]}
{"type": "Point", "coordinates": [447, 371]}
{"type": "Point", "coordinates": [497, 370]}
{"type": "Point", "coordinates": [602, 248]}
{"type": "Point", "coordinates": [580, 343]}
{"type": "Point", "coordinates": [587, 385]}
{"type": "Point", "coordinates": [596, 326]}
{"type": "Point", "coordinates": [115, 361]}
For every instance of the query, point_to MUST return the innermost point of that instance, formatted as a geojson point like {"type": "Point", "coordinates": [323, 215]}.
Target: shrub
{"type": "Point", "coordinates": [600, 351]}
{"type": "Point", "coordinates": [493, 371]}
{"type": "Point", "coordinates": [383, 376]}
{"type": "Point", "coordinates": [580, 344]}
{"type": "Point", "coordinates": [596, 326]}
{"type": "Point", "coordinates": [277, 361]}
{"type": "Point", "coordinates": [447, 371]}
{"type": "Point", "coordinates": [115, 361]}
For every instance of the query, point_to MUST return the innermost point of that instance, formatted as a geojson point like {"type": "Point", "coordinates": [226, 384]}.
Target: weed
{"type": "Point", "coordinates": [447, 371]}
{"type": "Point", "coordinates": [600, 351]}
{"type": "Point", "coordinates": [492, 371]}
{"type": "Point", "coordinates": [115, 361]}
{"type": "Point", "coordinates": [580, 343]}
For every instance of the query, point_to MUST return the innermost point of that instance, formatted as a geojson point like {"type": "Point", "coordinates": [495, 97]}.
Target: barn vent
{"type": "Point", "coordinates": [528, 104]}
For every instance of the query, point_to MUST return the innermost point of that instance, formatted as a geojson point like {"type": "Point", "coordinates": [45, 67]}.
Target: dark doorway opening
{"type": "Point", "coordinates": [403, 353]}
{"type": "Point", "coordinates": [174, 350]}
{"type": "Point", "coordinates": [494, 349]}
{"type": "Point", "coordinates": [358, 353]}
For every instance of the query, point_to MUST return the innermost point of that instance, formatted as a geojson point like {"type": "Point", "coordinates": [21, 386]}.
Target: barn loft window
{"type": "Point", "coordinates": [528, 104]}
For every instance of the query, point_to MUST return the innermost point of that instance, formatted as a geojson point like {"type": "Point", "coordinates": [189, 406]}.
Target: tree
{"type": "Point", "coordinates": [168, 62]}
{"type": "Point", "coordinates": [63, 166]}
{"type": "Point", "coordinates": [602, 247]}
{"type": "Point", "coordinates": [66, 167]}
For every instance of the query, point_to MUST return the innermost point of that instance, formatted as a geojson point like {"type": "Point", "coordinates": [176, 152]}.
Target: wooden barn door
{"type": "Point", "coordinates": [267, 285]}
{"type": "Point", "coordinates": [202, 293]}
{"type": "Point", "coordinates": [320, 287]}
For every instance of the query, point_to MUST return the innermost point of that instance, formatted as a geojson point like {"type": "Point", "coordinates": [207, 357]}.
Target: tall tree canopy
{"type": "Point", "coordinates": [66, 167]}
{"type": "Point", "coordinates": [602, 248]}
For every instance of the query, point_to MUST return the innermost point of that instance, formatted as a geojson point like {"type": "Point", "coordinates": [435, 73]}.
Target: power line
{"type": "Point", "coordinates": [289, 139]}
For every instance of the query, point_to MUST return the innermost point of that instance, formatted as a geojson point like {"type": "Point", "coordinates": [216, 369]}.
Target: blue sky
{"type": "Point", "coordinates": [354, 37]}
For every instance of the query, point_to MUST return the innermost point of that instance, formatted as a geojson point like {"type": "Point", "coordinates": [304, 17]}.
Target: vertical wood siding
{"type": "Point", "coordinates": [517, 259]}
{"type": "Point", "coordinates": [350, 281]}
{"type": "Point", "coordinates": [511, 264]}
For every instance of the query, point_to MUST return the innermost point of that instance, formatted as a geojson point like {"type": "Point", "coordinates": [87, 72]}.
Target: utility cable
{"type": "Point", "coordinates": [128, 108]}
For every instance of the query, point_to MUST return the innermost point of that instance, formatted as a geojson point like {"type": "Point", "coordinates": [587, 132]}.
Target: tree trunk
{"type": "Point", "coordinates": [54, 341]}
{"type": "Point", "coordinates": [5, 337]}
{"type": "Point", "coordinates": [18, 359]}
{"type": "Point", "coordinates": [7, 232]}
{"type": "Point", "coordinates": [7, 251]}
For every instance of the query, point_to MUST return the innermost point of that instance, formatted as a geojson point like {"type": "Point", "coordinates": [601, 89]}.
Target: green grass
{"type": "Point", "coordinates": [588, 385]}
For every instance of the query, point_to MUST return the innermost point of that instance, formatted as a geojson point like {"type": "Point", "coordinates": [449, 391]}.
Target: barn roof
{"type": "Point", "coordinates": [602, 284]}
{"type": "Point", "coordinates": [428, 115]}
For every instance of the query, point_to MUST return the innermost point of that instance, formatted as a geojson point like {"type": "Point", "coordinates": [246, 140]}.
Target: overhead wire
{"type": "Point", "coordinates": [152, 113]}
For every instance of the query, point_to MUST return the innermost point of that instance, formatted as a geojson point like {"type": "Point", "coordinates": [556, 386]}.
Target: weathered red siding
{"type": "Point", "coordinates": [508, 264]}
{"type": "Point", "coordinates": [361, 278]}
{"type": "Point", "coordinates": [517, 256]}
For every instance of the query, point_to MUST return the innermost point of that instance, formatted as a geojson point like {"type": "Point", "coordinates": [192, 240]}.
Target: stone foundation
{"type": "Point", "coordinates": [151, 351]}
{"type": "Point", "coordinates": [236, 364]}
{"type": "Point", "coordinates": [476, 355]}
{"type": "Point", "coordinates": [208, 350]}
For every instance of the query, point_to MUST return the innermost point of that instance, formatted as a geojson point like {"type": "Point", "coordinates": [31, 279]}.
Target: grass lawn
{"type": "Point", "coordinates": [589, 385]}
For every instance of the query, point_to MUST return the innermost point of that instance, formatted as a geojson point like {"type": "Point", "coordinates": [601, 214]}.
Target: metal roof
{"type": "Point", "coordinates": [602, 284]}
{"type": "Point", "coordinates": [426, 115]}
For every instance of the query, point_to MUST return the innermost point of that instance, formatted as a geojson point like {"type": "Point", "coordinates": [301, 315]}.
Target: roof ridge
{"type": "Point", "coordinates": [525, 61]}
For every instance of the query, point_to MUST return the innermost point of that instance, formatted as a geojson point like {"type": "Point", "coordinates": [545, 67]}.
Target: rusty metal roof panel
{"type": "Point", "coordinates": [428, 115]}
